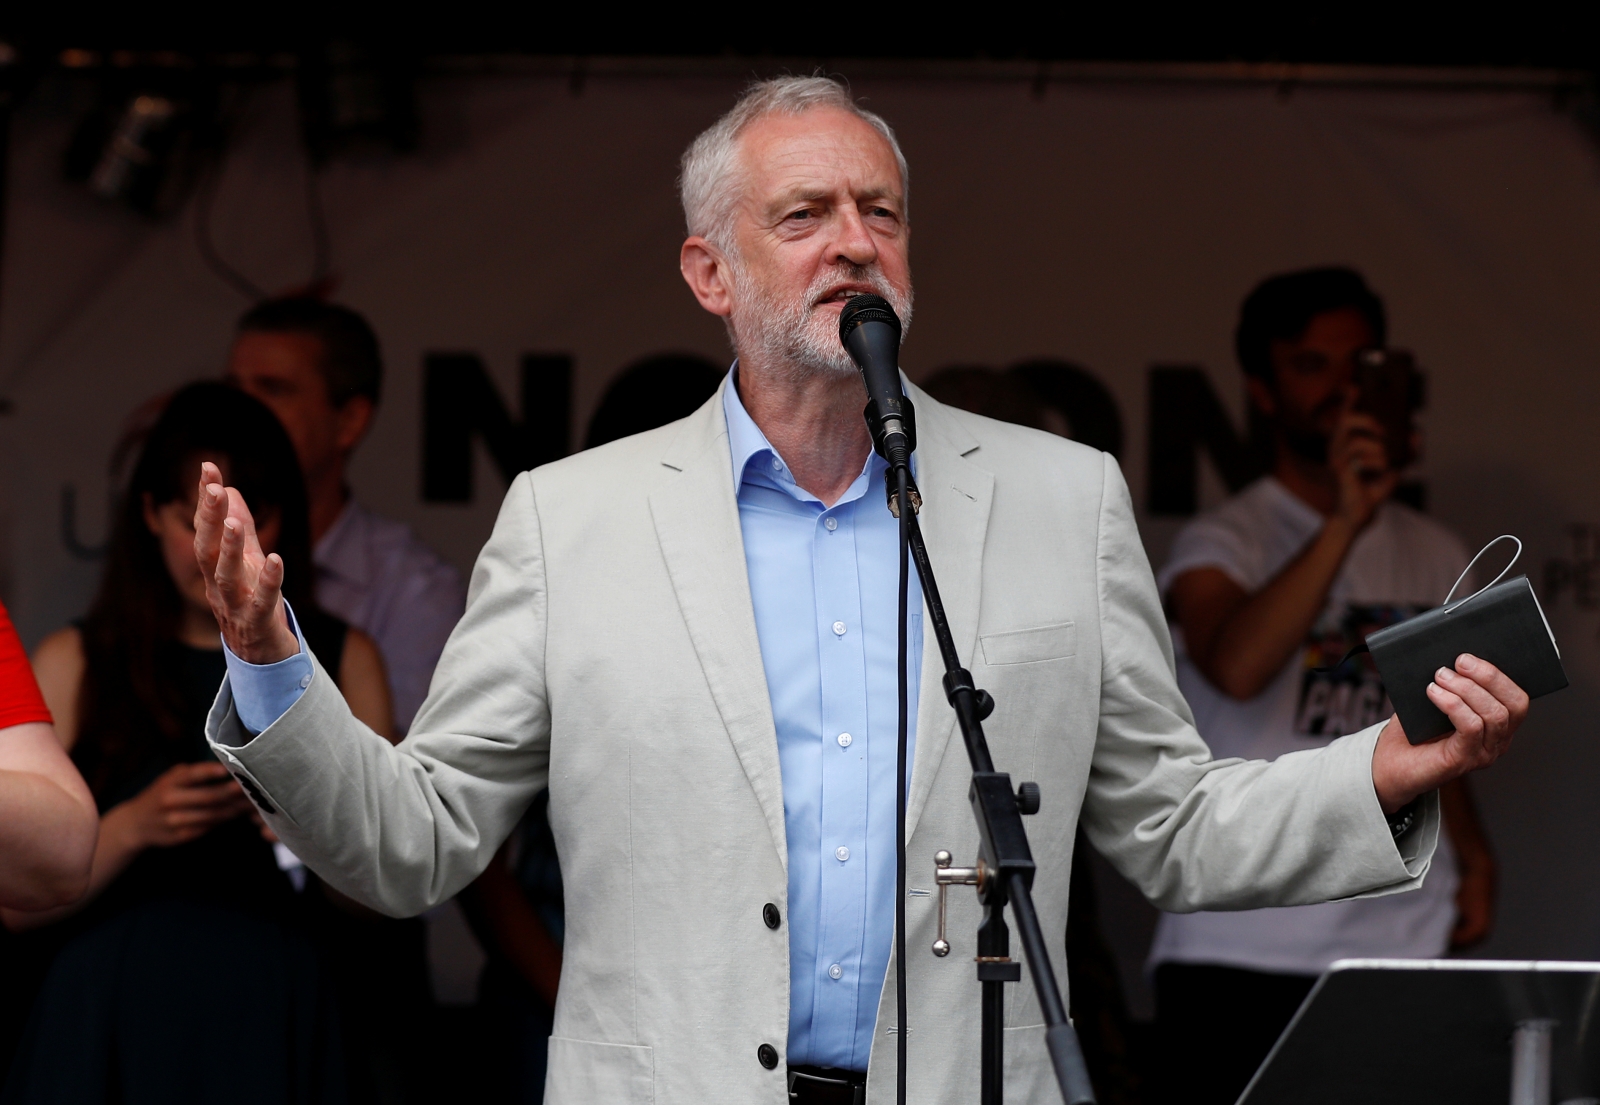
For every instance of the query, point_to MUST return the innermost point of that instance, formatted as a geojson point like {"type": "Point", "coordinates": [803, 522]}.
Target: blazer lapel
{"type": "Point", "coordinates": [956, 496]}
{"type": "Point", "coordinates": [696, 518]}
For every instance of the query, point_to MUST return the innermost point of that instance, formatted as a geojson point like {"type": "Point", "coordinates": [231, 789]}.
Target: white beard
{"type": "Point", "coordinates": [798, 336]}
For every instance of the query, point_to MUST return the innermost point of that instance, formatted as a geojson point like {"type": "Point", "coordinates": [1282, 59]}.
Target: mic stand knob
{"type": "Point", "coordinates": [947, 876]}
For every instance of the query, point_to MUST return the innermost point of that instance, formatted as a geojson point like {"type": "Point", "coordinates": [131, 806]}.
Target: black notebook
{"type": "Point", "coordinates": [1502, 624]}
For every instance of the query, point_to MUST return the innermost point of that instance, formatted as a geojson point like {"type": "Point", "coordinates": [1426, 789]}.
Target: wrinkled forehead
{"type": "Point", "coordinates": [819, 153]}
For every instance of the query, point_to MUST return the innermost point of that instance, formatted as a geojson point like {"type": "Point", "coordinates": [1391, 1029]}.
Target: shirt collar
{"type": "Point", "coordinates": [745, 439]}
{"type": "Point", "coordinates": [747, 443]}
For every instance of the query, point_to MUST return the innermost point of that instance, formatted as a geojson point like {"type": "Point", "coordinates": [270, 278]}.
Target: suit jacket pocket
{"type": "Point", "coordinates": [582, 1072]}
{"type": "Point", "coordinates": [1030, 646]}
{"type": "Point", "coordinates": [1029, 1075]}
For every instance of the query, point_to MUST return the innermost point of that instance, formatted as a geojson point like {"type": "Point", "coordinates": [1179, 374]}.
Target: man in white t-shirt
{"type": "Point", "coordinates": [1266, 594]}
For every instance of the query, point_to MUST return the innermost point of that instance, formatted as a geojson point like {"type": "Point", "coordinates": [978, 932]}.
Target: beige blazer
{"type": "Point", "coordinates": [609, 648]}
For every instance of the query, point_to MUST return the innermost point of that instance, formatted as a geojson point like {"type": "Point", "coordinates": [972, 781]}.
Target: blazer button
{"type": "Point", "coordinates": [768, 1055]}
{"type": "Point", "coordinates": [770, 914]}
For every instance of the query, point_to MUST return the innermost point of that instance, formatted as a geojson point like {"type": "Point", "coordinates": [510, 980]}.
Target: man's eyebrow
{"type": "Point", "coordinates": [799, 195]}
{"type": "Point", "coordinates": [802, 195]}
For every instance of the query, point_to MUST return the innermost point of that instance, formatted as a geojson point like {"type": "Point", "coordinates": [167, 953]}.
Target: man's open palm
{"type": "Point", "coordinates": [244, 585]}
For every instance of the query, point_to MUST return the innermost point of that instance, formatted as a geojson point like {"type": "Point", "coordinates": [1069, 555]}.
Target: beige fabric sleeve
{"type": "Point", "coordinates": [1196, 833]}
{"type": "Point", "coordinates": [404, 828]}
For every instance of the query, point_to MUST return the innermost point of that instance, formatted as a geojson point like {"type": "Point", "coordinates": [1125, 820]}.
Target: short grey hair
{"type": "Point", "coordinates": [708, 184]}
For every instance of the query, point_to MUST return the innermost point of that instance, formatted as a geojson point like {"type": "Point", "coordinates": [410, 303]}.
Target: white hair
{"type": "Point", "coordinates": [709, 183]}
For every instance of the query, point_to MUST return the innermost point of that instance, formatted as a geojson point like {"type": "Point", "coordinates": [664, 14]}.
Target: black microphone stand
{"type": "Point", "coordinates": [1004, 873]}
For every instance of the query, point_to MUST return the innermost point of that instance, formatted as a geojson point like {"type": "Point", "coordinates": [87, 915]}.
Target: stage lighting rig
{"type": "Point", "coordinates": [131, 162]}
{"type": "Point", "coordinates": [126, 148]}
{"type": "Point", "coordinates": [143, 144]}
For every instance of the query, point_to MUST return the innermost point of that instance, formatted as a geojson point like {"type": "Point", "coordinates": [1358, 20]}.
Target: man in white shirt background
{"type": "Point", "coordinates": [317, 365]}
{"type": "Point", "coordinates": [1266, 594]}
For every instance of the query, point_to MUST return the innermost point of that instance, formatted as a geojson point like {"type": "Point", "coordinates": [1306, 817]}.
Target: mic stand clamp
{"type": "Point", "coordinates": [991, 968]}
{"type": "Point", "coordinates": [947, 876]}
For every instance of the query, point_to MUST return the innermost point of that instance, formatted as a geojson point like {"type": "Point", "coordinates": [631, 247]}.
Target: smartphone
{"type": "Point", "coordinates": [1389, 388]}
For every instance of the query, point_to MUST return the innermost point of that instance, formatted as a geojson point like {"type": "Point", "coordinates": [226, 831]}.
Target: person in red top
{"type": "Point", "coordinates": [48, 821]}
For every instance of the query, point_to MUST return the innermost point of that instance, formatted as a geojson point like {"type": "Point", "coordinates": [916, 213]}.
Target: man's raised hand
{"type": "Point", "coordinates": [244, 585]}
{"type": "Point", "coordinates": [1360, 463]}
{"type": "Point", "coordinates": [1486, 708]}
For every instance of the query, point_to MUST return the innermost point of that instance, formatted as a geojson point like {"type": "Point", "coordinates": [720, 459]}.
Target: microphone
{"type": "Point", "coordinates": [870, 331]}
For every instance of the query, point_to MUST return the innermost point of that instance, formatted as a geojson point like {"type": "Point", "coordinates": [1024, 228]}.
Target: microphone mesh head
{"type": "Point", "coordinates": [866, 308]}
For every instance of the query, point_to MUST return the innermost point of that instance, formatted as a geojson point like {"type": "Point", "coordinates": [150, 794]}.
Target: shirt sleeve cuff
{"type": "Point", "coordinates": [263, 693]}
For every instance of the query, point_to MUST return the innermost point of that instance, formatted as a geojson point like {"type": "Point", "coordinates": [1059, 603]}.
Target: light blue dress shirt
{"type": "Point", "coordinates": [824, 584]}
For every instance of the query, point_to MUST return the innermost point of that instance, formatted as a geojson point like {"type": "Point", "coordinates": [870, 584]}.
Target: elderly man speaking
{"type": "Point", "coordinates": [691, 635]}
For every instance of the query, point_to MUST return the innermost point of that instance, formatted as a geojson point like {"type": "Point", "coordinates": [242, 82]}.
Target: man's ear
{"type": "Point", "coordinates": [354, 418]}
{"type": "Point", "coordinates": [705, 270]}
{"type": "Point", "coordinates": [1260, 393]}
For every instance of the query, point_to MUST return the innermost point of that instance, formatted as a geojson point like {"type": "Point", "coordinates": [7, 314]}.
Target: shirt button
{"type": "Point", "coordinates": [838, 629]}
{"type": "Point", "coordinates": [831, 522]}
{"type": "Point", "coordinates": [836, 972]}
{"type": "Point", "coordinates": [845, 739]}
{"type": "Point", "coordinates": [842, 853]}
{"type": "Point", "coordinates": [305, 681]}
{"type": "Point", "coordinates": [777, 465]}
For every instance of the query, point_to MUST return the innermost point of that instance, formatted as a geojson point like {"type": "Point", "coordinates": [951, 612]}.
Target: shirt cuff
{"type": "Point", "coordinates": [263, 693]}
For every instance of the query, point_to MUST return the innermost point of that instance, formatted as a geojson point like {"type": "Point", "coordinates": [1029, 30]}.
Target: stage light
{"type": "Point", "coordinates": [131, 164]}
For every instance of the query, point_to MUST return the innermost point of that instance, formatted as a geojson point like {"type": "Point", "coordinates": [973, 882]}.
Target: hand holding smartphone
{"type": "Point", "coordinates": [1389, 388]}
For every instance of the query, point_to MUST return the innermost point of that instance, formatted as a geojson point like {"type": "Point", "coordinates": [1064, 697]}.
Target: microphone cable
{"type": "Point", "coordinates": [903, 499]}
{"type": "Point", "coordinates": [870, 332]}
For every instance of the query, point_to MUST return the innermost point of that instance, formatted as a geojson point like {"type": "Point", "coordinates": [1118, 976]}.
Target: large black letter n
{"type": "Point", "coordinates": [459, 400]}
{"type": "Point", "coordinates": [1185, 417]}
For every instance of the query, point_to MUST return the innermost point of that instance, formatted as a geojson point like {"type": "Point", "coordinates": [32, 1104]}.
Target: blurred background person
{"type": "Point", "coordinates": [318, 366]}
{"type": "Point", "coordinates": [1266, 594]}
{"type": "Point", "coordinates": [47, 816]}
{"type": "Point", "coordinates": [193, 923]}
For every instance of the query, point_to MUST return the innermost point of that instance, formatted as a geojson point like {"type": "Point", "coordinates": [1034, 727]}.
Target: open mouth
{"type": "Point", "coordinates": [840, 296]}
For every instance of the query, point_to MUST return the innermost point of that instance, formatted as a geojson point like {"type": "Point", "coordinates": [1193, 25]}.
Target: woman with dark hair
{"type": "Point", "coordinates": [192, 925]}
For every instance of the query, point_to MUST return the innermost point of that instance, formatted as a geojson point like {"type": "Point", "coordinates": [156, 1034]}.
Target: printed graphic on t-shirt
{"type": "Point", "coordinates": [1338, 699]}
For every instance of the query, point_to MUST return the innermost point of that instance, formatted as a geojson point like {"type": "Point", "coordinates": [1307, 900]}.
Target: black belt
{"type": "Point", "coordinates": [826, 1086]}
